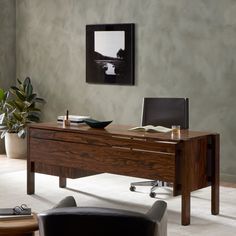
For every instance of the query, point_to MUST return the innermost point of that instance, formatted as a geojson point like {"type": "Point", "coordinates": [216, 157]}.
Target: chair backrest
{"type": "Point", "coordinates": [166, 112]}
{"type": "Point", "coordinates": [94, 221]}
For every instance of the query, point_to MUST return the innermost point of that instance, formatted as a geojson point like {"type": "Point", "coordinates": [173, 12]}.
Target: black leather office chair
{"type": "Point", "coordinates": [164, 112]}
{"type": "Point", "coordinates": [68, 220]}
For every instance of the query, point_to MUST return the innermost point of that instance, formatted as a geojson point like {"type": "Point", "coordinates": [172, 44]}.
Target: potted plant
{"type": "Point", "coordinates": [18, 107]}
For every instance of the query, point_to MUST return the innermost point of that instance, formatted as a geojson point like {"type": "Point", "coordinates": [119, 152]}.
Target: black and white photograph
{"type": "Point", "coordinates": [110, 54]}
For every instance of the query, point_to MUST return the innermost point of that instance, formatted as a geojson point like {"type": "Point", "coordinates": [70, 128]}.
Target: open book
{"type": "Point", "coordinates": [151, 128]}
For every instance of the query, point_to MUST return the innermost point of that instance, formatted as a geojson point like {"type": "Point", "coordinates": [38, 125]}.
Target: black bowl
{"type": "Point", "coordinates": [97, 124]}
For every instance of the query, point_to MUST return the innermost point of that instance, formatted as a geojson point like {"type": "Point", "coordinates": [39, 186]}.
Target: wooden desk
{"type": "Point", "coordinates": [190, 161]}
{"type": "Point", "coordinates": [19, 227]}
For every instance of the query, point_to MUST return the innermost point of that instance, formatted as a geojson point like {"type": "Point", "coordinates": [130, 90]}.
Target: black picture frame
{"type": "Point", "coordinates": [110, 54]}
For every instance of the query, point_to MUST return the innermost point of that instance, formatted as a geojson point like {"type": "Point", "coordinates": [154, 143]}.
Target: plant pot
{"type": "Point", "coordinates": [15, 147]}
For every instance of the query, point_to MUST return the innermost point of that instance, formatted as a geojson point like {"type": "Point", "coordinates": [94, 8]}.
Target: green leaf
{"type": "Point", "coordinates": [10, 104]}
{"type": "Point", "coordinates": [14, 88]}
{"type": "Point", "coordinates": [33, 118]}
{"type": "Point", "coordinates": [20, 96]}
{"type": "Point", "coordinates": [3, 133]}
{"type": "Point", "coordinates": [22, 88]}
{"type": "Point", "coordinates": [40, 100]}
{"type": "Point", "coordinates": [27, 104]}
{"type": "Point", "coordinates": [26, 84]}
{"type": "Point", "coordinates": [19, 81]}
{"type": "Point", "coordinates": [2, 116]}
{"type": "Point", "coordinates": [29, 90]}
{"type": "Point", "coordinates": [19, 105]}
{"type": "Point", "coordinates": [2, 127]}
{"type": "Point", "coordinates": [1, 94]}
{"type": "Point", "coordinates": [27, 81]}
{"type": "Point", "coordinates": [34, 109]}
{"type": "Point", "coordinates": [37, 114]}
{"type": "Point", "coordinates": [6, 95]}
{"type": "Point", "coordinates": [17, 116]}
{"type": "Point", "coordinates": [21, 133]}
{"type": "Point", "coordinates": [32, 105]}
{"type": "Point", "coordinates": [32, 97]}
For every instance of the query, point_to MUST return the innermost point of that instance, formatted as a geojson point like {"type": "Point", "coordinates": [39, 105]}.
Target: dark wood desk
{"type": "Point", "coordinates": [190, 161]}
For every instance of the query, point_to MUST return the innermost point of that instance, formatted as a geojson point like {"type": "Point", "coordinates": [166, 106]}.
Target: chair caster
{"type": "Point", "coordinates": [132, 188]}
{"type": "Point", "coordinates": [152, 194]}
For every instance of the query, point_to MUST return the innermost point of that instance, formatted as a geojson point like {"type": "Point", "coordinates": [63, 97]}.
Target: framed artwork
{"type": "Point", "coordinates": [110, 54]}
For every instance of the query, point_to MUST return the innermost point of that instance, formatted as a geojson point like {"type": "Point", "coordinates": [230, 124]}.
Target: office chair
{"type": "Point", "coordinates": [164, 112]}
{"type": "Point", "coordinates": [67, 219]}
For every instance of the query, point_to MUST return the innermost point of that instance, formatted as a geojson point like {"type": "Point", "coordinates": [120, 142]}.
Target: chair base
{"type": "Point", "coordinates": [154, 183]}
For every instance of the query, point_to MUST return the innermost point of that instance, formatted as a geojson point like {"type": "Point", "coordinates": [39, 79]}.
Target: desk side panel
{"type": "Point", "coordinates": [198, 165]}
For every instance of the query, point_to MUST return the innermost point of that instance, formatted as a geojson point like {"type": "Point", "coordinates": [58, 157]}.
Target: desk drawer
{"type": "Point", "coordinates": [108, 140]}
{"type": "Point", "coordinates": [124, 161]}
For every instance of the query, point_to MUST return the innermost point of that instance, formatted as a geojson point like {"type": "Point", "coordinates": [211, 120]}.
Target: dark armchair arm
{"type": "Point", "coordinates": [68, 201]}
{"type": "Point", "coordinates": [95, 221]}
{"type": "Point", "coordinates": [158, 213]}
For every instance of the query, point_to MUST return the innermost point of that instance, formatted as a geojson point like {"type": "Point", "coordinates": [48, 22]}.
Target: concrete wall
{"type": "Point", "coordinates": [7, 46]}
{"type": "Point", "coordinates": [184, 48]}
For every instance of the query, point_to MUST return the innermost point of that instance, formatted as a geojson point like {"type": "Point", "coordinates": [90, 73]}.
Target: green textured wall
{"type": "Point", "coordinates": [7, 46]}
{"type": "Point", "coordinates": [184, 48]}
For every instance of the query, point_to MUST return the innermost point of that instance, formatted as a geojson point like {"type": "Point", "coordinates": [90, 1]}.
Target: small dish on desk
{"type": "Point", "coordinates": [97, 124]}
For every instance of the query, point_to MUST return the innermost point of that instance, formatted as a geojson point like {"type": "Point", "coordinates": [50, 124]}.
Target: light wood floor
{"type": "Point", "coordinates": [11, 165]}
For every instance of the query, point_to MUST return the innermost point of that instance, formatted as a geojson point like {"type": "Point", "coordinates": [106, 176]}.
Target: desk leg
{"type": "Point", "coordinates": [62, 182]}
{"type": "Point", "coordinates": [185, 217]}
{"type": "Point", "coordinates": [215, 195]}
{"type": "Point", "coordinates": [186, 182]}
{"type": "Point", "coordinates": [30, 178]}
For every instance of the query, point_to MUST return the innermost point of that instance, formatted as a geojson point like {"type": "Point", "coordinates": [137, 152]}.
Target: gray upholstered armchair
{"type": "Point", "coordinates": [68, 220]}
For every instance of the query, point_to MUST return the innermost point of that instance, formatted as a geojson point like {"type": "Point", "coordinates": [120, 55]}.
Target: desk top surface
{"type": "Point", "coordinates": [122, 130]}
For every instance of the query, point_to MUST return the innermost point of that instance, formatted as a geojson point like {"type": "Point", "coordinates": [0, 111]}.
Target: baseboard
{"type": "Point", "coordinates": [228, 178]}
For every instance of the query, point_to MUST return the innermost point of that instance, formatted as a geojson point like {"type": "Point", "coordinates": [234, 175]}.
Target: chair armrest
{"type": "Point", "coordinates": [157, 211]}
{"type": "Point", "coordinates": [158, 214]}
{"type": "Point", "coordinates": [68, 201]}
